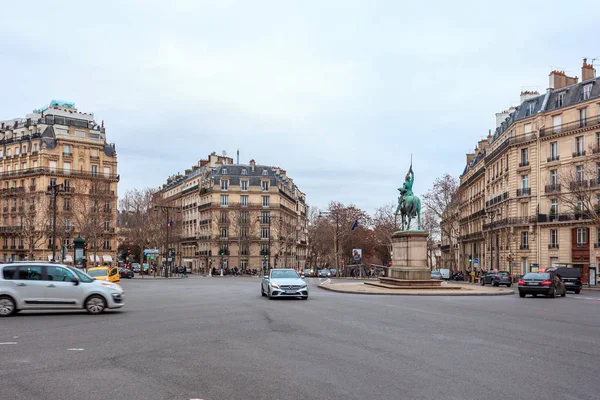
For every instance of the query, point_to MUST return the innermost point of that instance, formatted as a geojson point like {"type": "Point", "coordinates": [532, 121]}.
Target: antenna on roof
{"type": "Point", "coordinates": [594, 59]}
{"type": "Point", "coordinates": [238, 157]}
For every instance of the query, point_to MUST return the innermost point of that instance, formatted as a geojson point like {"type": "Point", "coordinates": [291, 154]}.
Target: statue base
{"type": "Point", "coordinates": [409, 261]}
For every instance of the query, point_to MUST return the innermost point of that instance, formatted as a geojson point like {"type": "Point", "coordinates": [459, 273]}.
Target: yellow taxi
{"type": "Point", "coordinates": [104, 273]}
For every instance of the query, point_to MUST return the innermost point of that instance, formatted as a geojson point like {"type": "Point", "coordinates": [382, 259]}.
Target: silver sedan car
{"type": "Point", "coordinates": [283, 283]}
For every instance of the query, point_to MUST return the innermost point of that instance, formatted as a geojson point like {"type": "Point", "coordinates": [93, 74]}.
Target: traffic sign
{"type": "Point", "coordinates": [150, 251]}
{"type": "Point", "coordinates": [476, 261]}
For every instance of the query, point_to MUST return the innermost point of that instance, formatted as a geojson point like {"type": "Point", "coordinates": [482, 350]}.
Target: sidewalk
{"type": "Point", "coordinates": [365, 288]}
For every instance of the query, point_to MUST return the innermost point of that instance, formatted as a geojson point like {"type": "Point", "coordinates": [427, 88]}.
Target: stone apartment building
{"type": "Point", "coordinates": [530, 192]}
{"type": "Point", "coordinates": [235, 215]}
{"type": "Point", "coordinates": [57, 145]}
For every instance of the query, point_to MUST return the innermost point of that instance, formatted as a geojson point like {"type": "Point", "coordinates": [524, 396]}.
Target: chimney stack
{"type": "Point", "coordinates": [587, 71]}
{"type": "Point", "coordinates": [558, 80]}
{"type": "Point", "coordinates": [252, 164]}
{"type": "Point", "coordinates": [528, 94]}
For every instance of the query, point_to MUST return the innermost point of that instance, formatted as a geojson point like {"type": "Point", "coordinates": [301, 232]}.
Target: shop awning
{"type": "Point", "coordinates": [92, 258]}
{"type": "Point", "coordinates": [107, 258]}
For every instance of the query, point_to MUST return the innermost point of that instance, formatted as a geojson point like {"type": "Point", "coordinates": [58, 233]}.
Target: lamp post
{"type": "Point", "coordinates": [491, 216]}
{"type": "Point", "coordinates": [54, 189]}
{"type": "Point", "coordinates": [167, 211]}
{"type": "Point", "coordinates": [335, 237]}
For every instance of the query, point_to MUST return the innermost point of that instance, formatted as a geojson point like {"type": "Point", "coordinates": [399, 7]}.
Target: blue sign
{"type": "Point", "coordinates": [476, 261]}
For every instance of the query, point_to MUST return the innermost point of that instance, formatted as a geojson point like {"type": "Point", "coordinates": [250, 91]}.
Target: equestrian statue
{"type": "Point", "coordinates": [409, 205]}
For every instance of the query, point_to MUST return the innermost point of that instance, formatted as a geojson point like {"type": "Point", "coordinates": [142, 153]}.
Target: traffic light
{"type": "Point", "coordinates": [265, 256]}
{"type": "Point", "coordinates": [129, 251]}
{"type": "Point", "coordinates": [470, 258]}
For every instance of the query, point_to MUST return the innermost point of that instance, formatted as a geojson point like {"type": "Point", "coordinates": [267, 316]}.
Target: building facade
{"type": "Point", "coordinates": [59, 146]}
{"type": "Point", "coordinates": [530, 193]}
{"type": "Point", "coordinates": [234, 215]}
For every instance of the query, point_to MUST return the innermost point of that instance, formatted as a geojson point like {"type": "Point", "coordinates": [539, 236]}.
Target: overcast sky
{"type": "Point", "coordinates": [338, 93]}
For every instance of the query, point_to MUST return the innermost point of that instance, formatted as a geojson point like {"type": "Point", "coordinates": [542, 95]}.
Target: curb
{"type": "Point", "coordinates": [510, 292]}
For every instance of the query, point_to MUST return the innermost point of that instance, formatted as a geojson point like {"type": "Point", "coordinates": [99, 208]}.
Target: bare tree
{"type": "Point", "coordinates": [35, 218]}
{"type": "Point", "coordinates": [286, 229]}
{"type": "Point", "coordinates": [442, 201]}
{"type": "Point", "coordinates": [431, 225]}
{"type": "Point", "coordinates": [578, 191]}
{"type": "Point", "coordinates": [92, 212]}
{"type": "Point", "coordinates": [384, 225]}
{"type": "Point", "coordinates": [140, 224]}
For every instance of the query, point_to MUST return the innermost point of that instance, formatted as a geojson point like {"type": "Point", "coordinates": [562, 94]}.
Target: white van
{"type": "Point", "coordinates": [51, 286]}
{"type": "Point", "coordinates": [445, 274]}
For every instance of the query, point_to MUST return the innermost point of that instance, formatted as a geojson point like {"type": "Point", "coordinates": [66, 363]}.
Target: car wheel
{"type": "Point", "coordinates": [577, 291]}
{"type": "Point", "coordinates": [496, 284]}
{"type": "Point", "coordinates": [482, 282]}
{"type": "Point", "coordinates": [508, 284]}
{"type": "Point", "coordinates": [521, 294]}
{"type": "Point", "coordinates": [564, 293]}
{"type": "Point", "coordinates": [553, 293]}
{"type": "Point", "coordinates": [7, 306]}
{"type": "Point", "coordinates": [95, 304]}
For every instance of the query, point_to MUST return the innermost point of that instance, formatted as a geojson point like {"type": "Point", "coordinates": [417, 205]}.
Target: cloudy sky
{"type": "Point", "coordinates": [338, 93]}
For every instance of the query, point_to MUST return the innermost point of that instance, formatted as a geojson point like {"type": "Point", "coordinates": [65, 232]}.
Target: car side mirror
{"type": "Point", "coordinates": [75, 281]}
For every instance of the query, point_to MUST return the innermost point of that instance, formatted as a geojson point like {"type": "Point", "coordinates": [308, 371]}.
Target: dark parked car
{"type": "Point", "coordinates": [571, 277]}
{"type": "Point", "coordinates": [544, 283]}
{"type": "Point", "coordinates": [126, 273]}
{"type": "Point", "coordinates": [324, 273]}
{"type": "Point", "coordinates": [497, 278]}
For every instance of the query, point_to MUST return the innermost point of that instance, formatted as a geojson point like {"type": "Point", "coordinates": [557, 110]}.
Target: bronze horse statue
{"type": "Point", "coordinates": [409, 205]}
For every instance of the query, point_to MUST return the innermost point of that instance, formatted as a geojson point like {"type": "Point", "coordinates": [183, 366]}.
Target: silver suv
{"type": "Point", "coordinates": [44, 286]}
{"type": "Point", "coordinates": [283, 283]}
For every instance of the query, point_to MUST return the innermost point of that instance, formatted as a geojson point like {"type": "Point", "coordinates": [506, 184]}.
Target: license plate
{"type": "Point", "coordinates": [533, 283]}
{"type": "Point", "coordinates": [568, 283]}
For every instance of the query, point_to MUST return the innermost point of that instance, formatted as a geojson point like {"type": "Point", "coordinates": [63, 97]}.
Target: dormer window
{"type": "Point", "coordinates": [224, 171]}
{"type": "Point", "coordinates": [244, 171]}
{"type": "Point", "coordinates": [560, 100]}
{"type": "Point", "coordinates": [530, 108]}
{"type": "Point", "coordinates": [265, 172]}
{"type": "Point", "coordinates": [587, 92]}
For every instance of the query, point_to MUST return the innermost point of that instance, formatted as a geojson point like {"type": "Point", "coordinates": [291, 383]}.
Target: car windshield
{"type": "Point", "coordinates": [82, 276]}
{"type": "Point", "coordinates": [98, 272]}
{"type": "Point", "coordinates": [436, 273]}
{"type": "Point", "coordinates": [539, 275]}
{"type": "Point", "coordinates": [284, 274]}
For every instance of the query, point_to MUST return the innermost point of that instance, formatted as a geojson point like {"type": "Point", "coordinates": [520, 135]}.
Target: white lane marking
{"type": "Point", "coordinates": [8, 343]}
{"type": "Point", "coordinates": [75, 349]}
{"type": "Point", "coordinates": [15, 337]}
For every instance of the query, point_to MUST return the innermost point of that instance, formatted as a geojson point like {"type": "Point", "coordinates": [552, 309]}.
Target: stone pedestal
{"type": "Point", "coordinates": [409, 261]}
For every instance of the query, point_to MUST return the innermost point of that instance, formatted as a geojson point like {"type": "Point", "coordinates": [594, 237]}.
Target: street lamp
{"type": "Point", "coordinates": [335, 237]}
{"type": "Point", "coordinates": [167, 211]}
{"type": "Point", "coordinates": [54, 189]}
{"type": "Point", "coordinates": [491, 216]}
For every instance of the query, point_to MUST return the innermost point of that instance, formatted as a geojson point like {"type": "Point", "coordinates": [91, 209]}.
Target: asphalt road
{"type": "Point", "coordinates": [217, 338]}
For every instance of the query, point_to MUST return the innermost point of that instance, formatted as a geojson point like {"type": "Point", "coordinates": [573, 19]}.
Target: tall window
{"type": "Point", "coordinates": [67, 150]}
{"type": "Point", "coordinates": [244, 171]}
{"type": "Point", "coordinates": [106, 245]}
{"type": "Point", "coordinates": [224, 184]}
{"type": "Point", "coordinates": [560, 100]}
{"type": "Point", "coordinates": [553, 177]}
{"type": "Point", "coordinates": [244, 185]}
{"type": "Point", "coordinates": [52, 165]}
{"type": "Point", "coordinates": [556, 122]}
{"type": "Point", "coordinates": [244, 217]}
{"type": "Point", "coordinates": [554, 206]}
{"type": "Point", "coordinates": [264, 248]}
{"type": "Point", "coordinates": [579, 143]}
{"type": "Point", "coordinates": [265, 186]}
{"type": "Point", "coordinates": [524, 240]}
{"type": "Point", "coordinates": [8, 153]}
{"type": "Point", "coordinates": [553, 151]}
{"type": "Point", "coordinates": [597, 138]}
{"type": "Point", "coordinates": [106, 172]}
{"type": "Point", "coordinates": [524, 157]}
{"type": "Point", "coordinates": [244, 200]}
{"type": "Point", "coordinates": [264, 233]}
{"type": "Point", "coordinates": [224, 233]}
{"type": "Point", "coordinates": [553, 238]}
{"type": "Point", "coordinates": [581, 237]}
{"type": "Point", "coordinates": [16, 151]}
{"type": "Point", "coordinates": [579, 173]}
{"type": "Point", "coordinates": [265, 201]}
{"type": "Point", "coordinates": [265, 216]}
{"type": "Point", "coordinates": [67, 167]}
{"type": "Point", "coordinates": [244, 232]}
{"type": "Point", "coordinates": [24, 148]}
{"type": "Point", "coordinates": [525, 181]}
{"type": "Point", "coordinates": [598, 237]}
{"type": "Point", "coordinates": [224, 200]}
{"type": "Point", "coordinates": [583, 117]}
{"type": "Point", "coordinates": [94, 170]}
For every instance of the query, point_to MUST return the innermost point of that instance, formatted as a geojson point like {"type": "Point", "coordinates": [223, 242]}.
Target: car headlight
{"type": "Point", "coordinates": [274, 285]}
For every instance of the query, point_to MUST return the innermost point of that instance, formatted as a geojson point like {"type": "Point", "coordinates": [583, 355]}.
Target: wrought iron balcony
{"type": "Point", "coordinates": [569, 126]}
{"type": "Point", "coordinates": [582, 184]}
{"type": "Point", "coordinates": [553, 246]}
{"type": "Point", "coordinates": [595, 182]}
{"type": "Point", "coordinates": [578, 153]}
{"type": "Point", "coordinates": [523, 192]}
{"type": "Point", "coordinates": [524, 247]}
{"type": "Point", "coordinates": [524, 164]}
{"type": "Point", "coordinates": [552, 188]}
{"type": "Point", "coordinates": [553, 158]}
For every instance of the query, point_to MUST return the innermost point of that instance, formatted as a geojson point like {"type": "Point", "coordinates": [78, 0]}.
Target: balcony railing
{"type": "Point", "coordinates": [569, 126]}
{"type": "Point", "coordinates": [579, 185]}
{"type": "Point", "coordinates": [578, 153]}
{"type": "Point", "coordinates": [553, 246]}
{"type": "Point", "coordinates": [495, 200]}
{"type": "Point", "coordinates": [58, 171]}
{"type": "Point", "coordinates": [524, 247]}
{"type": "Point", "coordinates": [564, 217]}
{"type": "Point", "coordinates": [552, 188]}
{"type": "Point", "coordinates": [509, 142]}
{"type": "Point", "coordinates": [524, 164]}
{"type": "Point", "coordinates": [553, 158]}
{"type": "Point", "coordinates": [523, 192]}
{"type": "Point", "coordinates": [596, 149]}
{"type": "Point", "coordinates": [595, 182]}
{"type": "Point", "coordinates": [514, 221]}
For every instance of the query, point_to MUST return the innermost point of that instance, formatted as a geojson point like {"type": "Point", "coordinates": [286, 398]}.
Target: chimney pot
{"type": "Point", "coordinates": [587, 71]}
